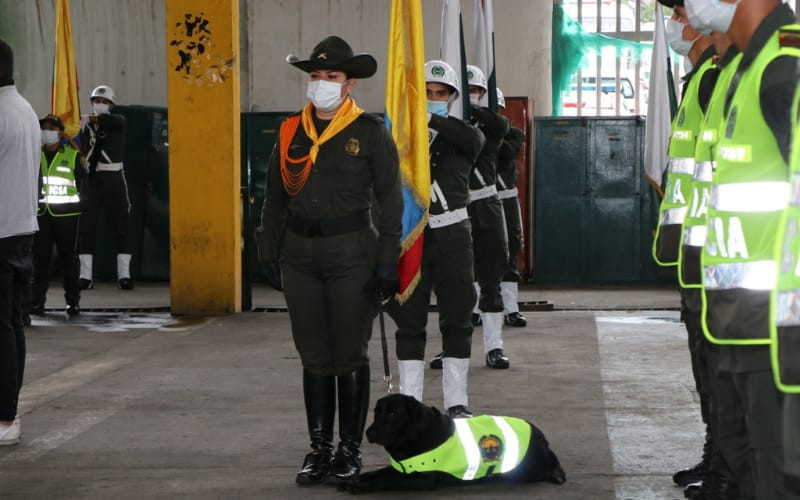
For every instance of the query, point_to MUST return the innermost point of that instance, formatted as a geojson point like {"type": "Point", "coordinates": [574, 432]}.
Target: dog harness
{"type": "Point", "coordinates": [479, 447]}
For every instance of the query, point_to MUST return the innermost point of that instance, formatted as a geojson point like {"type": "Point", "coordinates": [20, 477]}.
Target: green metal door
{"type": "Point", "coordinates": [614, 171]}
{"type": "Point", "coordinates": [560, 200]}
{"type": "Point", "coordinates": [593, 214]}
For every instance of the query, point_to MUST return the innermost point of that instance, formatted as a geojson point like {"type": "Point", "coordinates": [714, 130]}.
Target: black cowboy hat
{"type": "Point", "coordinates": [333, 53]}
{"type": "Point", "coordinates": [52, 119]}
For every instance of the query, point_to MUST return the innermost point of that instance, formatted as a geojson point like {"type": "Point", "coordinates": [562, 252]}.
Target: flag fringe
{"type": "Point", "coordinates": [656, 185]}
{"type": "Point", "coordinates": [412, 285]}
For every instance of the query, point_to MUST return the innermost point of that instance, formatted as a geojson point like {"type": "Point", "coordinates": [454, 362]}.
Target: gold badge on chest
{"type": "Point", "coordinates": [352, 147]}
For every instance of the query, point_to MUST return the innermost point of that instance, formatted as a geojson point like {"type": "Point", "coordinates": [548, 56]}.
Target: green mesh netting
{"type": "Point", "coordinates": [570, 46]}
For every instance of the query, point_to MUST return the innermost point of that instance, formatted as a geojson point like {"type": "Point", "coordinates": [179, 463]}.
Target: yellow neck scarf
{"type": "Point", "coordinates": [346, 114]}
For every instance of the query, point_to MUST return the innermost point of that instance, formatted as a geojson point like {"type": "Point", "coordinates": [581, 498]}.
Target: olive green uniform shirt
{"type": "Point", "coordinates": [357, 165]}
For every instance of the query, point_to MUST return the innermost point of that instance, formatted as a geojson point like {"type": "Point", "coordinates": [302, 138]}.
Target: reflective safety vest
{"type": "Point", "coordinates": [672, 212]}
{"type": "Point", "coordinates": [479, 447]}
{"type": "Point", "coordinates": [59, 195]}
{"type": "Point", "coordinates": [693, 233]}
{"type": "Point", "coordinates": [750, 190]}
{"type": "Point", "coordinates": [785, 301]}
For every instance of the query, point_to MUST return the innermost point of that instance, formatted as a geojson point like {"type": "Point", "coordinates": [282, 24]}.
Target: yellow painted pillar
{"type": "Point", "coordinates": [204, 156]}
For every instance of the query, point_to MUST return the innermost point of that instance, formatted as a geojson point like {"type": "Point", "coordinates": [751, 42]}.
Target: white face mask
{"type": "Point", "coordinates": [325, 95]}
{"type": "Point", "coordinates": [50, 137]}
{"type": "Point", "coordinates": [474, 99]}
{"type": "Point", "coordinates": [100, 108]}
{"type": "Point", "coordinates": [675, 37]}
{"type": "Point", "coordinates": [713, 15]}
{"type": "Point", "coordinates": [699, 12]}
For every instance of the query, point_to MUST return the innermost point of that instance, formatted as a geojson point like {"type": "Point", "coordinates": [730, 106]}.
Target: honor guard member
{"type": "Point", "coordinates": [785, 316]}
{"type": "Point", "coordinates": [103, 146]}
{"type": "Point", "coordinates": [686, 126]}
{"type": "Point", "coordinates": [329, 163]}
{"type": "Point", "coordinates": [60, 175]}
{"type": "Point", "coordinates": [486, 216]}
{"type": "Point", "coordinates": [750, 190]}
{"type": "Point", "coordinates": [507, 191]}
{"type": "Point", "coordinates": [447, 262]}
{"type": "Point", "coordinates": [490, 247]}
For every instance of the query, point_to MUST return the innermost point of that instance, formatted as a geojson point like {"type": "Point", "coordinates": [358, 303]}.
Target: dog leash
{"type": "Point", "coordinates": [387, 375]}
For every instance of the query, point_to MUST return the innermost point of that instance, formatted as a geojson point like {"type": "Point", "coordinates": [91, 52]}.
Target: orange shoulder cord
{"type": "Point", "coordinates": [292, 182]}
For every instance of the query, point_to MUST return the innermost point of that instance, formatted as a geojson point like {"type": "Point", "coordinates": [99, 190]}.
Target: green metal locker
{"type": "Point", "coordinates": [593, 214]}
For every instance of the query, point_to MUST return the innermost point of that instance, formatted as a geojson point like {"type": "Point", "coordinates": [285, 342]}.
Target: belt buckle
{"type": "Point", "coordinates": [313, 228]}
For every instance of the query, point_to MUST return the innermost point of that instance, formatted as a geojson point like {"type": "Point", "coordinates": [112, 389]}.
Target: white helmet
{"type": "Point", "coordinates": [105, 92]}
{"type": "Point", "coordinates": [476, 77]}
{"type": "Point", "coordinates": [437, 71]}
{"type": "Point", "coordinates": [501, 101]}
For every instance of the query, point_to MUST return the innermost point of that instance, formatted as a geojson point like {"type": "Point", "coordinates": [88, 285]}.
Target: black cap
{"type": "Point", "coordinates": [671, 3]}
{"type": "Point", "coordinates": [333, 53]}
{"type": "Point", "coordinates": [53, 120]}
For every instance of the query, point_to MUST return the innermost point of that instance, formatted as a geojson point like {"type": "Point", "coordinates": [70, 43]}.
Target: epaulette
{"type": "Point", "coordinates": [372, 117]}
{"type": "Point", "coordinates": [789, 37]}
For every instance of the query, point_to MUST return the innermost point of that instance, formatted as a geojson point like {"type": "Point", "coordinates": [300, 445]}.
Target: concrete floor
{"type": "Point", "coordinates": [143, 405]}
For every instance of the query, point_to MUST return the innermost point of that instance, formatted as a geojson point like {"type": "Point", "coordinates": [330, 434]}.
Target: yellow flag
{"type": "Point", "coordinates": [64, 100]}
{"type": "Point", "coordinates": [407, 119]}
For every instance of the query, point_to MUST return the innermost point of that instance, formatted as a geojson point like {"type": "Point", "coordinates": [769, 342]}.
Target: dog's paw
{"type": "Point", "coordinates": [558, 476]}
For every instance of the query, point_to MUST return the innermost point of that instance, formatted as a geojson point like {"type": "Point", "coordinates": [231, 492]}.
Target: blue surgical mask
{"type": "Point", "coordinates": [438, 108]}
{"type": "Point", "coordinates": [675, 37]}
{"type": "Point", "coordinates": [712, 14]}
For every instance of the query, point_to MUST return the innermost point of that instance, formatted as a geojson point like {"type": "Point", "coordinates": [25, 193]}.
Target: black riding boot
{"type": "Point", "coordinates": [353, 405]}
{"type": "Point", "coordinates": [320, 397]}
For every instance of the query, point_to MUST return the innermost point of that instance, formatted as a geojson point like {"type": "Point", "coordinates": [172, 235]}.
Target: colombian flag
{"type": "Point", "coordinates": [407, 119]}
{"type": "Point", "coordinates": [64, 100]}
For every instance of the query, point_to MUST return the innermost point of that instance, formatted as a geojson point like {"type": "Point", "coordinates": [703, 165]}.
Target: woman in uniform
{"type": "Point", "coordinates": [331, 162]}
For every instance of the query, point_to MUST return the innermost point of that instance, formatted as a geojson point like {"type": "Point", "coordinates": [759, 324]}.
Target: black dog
{"type": "Point", "coordinates": [419, 437]}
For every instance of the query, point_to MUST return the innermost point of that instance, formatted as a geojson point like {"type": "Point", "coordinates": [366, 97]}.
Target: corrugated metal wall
{"type": "Point", "coordinates": [122, 43]}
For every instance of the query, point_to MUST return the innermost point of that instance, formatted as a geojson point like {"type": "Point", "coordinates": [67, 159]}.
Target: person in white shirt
{"type": "Point", "coordinates": [20, 143]}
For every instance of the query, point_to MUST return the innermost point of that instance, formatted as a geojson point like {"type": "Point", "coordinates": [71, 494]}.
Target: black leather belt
{"type": "Point", "coordinates": [312, 228]}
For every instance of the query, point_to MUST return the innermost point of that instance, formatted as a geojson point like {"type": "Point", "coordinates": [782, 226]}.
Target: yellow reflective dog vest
{"type": "Point", "coordinates": [479, 447]}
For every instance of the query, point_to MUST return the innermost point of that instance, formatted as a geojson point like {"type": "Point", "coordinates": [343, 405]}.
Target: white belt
{"type": "Point", "coordinates": [109, 167]}
{"type": "Point", "coordinates": [507, 193]}
{"type": "Point", "coordinates": [447, 218]}
{"type": "Point", "coordinates": [484, 192]}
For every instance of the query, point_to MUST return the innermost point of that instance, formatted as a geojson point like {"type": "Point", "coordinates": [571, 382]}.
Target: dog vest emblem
{"type": "Point", "coordinates": [491, 448]}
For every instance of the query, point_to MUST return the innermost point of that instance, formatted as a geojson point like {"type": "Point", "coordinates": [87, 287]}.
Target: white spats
{"type": "Point", "coordinates": [412, 377]}
{"type": "Point", "coordinates": [454, 381]}
{"type": "Point", "coordinates": [123, 266]}
{"type": "Point", "coordinates": [86, 266]}
{"type": "Point", "coordinates": [492, 331]}
{"type": "Point", "coordinates": [509, 290]}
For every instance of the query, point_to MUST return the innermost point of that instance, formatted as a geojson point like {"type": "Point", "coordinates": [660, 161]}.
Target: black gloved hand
{"type": "Point", "coordinates": [387, 280]}
{"type": "Point", "coordinates": [272, 270]}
